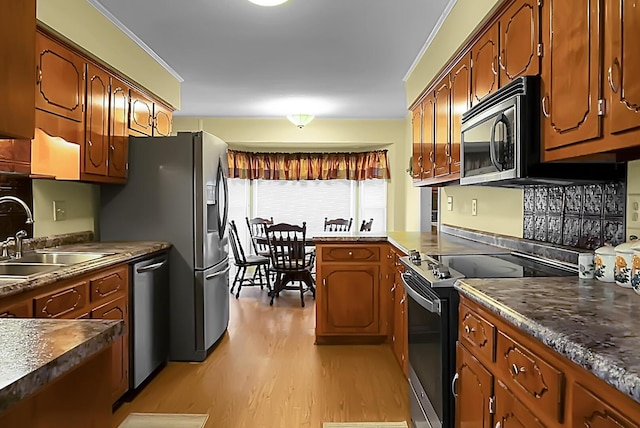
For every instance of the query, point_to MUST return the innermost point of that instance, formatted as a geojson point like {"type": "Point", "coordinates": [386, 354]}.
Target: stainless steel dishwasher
{"type": "Point", "coordinates": [149, 318]}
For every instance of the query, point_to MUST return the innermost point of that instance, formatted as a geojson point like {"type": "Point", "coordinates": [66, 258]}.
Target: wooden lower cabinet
{"type": "Point", "coordinates": [348, 291]}
{"type": "Point", "coordinates": [100, 294]}
{"type": "Point", "coordinates": [529, 385]}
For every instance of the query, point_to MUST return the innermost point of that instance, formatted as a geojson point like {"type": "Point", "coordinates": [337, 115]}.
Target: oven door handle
{"type": "Point", "coordinates": [432, 303]}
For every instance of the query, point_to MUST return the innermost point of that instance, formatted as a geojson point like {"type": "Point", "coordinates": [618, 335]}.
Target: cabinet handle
{"type": "Point", "coordinates": [90, 143]}
{"type": "Point", "coordinates": [350, 253]}
{"type": "Point", "coordinates": [611, 85]}
{"type": "Point", "coordinates": [393, 288]}
{"type": "Point", "coordinates": [545, 112]}
{"type": "Point", "coordinates": [431, 156]}
{"type": "Point", "coordinates": [402, 300]}
{"type": "Point", "coordinates": [468, 329]}
{"type": "Point", "coordinates": [498, 424]}
{"type": "Point", "coordinates": [453, 385]}
{"type": "Point", "coordinates": [493, 67]}
{"type": "Point", "coordinates": [324, 282]}
{"type": "Point", "coordinates": [500, 63]}
{"type": "Point", "coordinates": [39, 75]}
{"type": "Point", "coordinates": [447, 150]}
{"type": "Point", "coordinates": [516, 370]}
{"type": "Point", "coordinates": [111, 146]}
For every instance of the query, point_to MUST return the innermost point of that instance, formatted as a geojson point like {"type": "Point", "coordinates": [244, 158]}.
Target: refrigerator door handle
{"type": "Point", "coordinates": [222, 272]}
{"type": "Point", "coordinates": [152, 267]}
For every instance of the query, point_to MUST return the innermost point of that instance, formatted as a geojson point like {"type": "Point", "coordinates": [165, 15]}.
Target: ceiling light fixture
{"type": "Point", "coordinates": [268, 2]}
{"type": "Point", "coordinates": [300, 120]}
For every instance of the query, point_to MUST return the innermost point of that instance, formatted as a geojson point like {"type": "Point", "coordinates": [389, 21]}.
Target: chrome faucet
{"type": "Point", "coordinates": [20, 234]}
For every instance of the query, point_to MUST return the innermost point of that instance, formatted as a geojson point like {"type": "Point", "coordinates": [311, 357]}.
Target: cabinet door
{"type": "Point", "coordinates": [519, 40]}
{"type": "Point", "coordinates": [117, 310]}
{"type": "Point", "coordinates": [510, 413]}
{"type": "Point", "coordinates": [442, 106]}
{"type": "Point", "coordinates": [17, 73]}
{"type": "Point", "coordinates": [118, 129]}
{"type": "Point", "coordinates": [484, 57]}
{"type": "Point", "coordinates": [460, 102]}
{"type": "Point", "coordinates": [589, 411]}
{"type": "Point", "coordinates": [623, 33]}
{"type": "Point", "coordinates": [162, 118]}
{"type": "Point", "coordinates": [140, 113]}
{"type": "Point", "coordinates": [350, 302]}
{"type": "Point", "coordinates": [474, 388]}
{"type": "Point", "coordinates": [60, 79]}
{"type": "Point", "coordinates": [570, 72]}
{"type": "Point", "coordinates": [416, 124]}
{"type": "Point", "coordinates": [97, 121]}
{"type": "Point", "coordinates": [428, 136]}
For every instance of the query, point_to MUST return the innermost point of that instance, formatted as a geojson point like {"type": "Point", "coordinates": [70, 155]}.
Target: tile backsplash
{"type": "Point", "coordinates": [584, 216]}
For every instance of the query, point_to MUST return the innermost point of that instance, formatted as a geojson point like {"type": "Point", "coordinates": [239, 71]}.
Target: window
{"type": "Point", "coordinates": [289, 201]}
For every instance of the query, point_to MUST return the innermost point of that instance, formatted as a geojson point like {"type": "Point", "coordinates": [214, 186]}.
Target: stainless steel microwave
{"type": "Point", "coordinates": [501, 143]}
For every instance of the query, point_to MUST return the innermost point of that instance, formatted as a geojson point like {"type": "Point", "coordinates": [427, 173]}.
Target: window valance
{"type": "Point", "coordinates": [309, 166]}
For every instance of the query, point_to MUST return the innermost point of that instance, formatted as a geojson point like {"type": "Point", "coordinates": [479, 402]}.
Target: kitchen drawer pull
{"type": "Point", "coordinates": [469, 330]}
{"type": "Point", "coordinates": [350, 253]}
{"type": "Point", "coordinates": [453, 384]}
{"type": "Point", "coordinates": [516, 370]}
{"type": "Point", "coordinates": [222, 272]}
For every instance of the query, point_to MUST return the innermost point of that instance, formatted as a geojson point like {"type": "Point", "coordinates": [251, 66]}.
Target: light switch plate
{"type": "Point", "coordinates": [59, 210]}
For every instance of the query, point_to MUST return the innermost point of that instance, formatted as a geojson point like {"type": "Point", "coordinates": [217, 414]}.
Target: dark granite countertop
{"type": "Point", "coordinates": [425, 242]}
{"type": "Point", "coordinates": [594, 324]}
{"type": "Point", "coordinates": [119, 252]}
{"type": "Point", "coordinates": [34, 352]}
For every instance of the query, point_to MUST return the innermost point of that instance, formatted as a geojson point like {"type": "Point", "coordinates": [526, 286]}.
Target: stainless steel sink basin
{"type": "Point", "coordinates": [24, 270]}
{"type": "Point", "coordinates": [62, 258]}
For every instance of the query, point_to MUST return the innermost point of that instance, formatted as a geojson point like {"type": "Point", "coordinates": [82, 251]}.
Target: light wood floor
{"type": "Point", "coordinates": [267, 373]}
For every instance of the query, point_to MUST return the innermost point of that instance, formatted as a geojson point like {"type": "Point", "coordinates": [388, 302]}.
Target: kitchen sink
{"type": "Point", "coordinates": [61, 258]}
{"type": "Point", "coordinates": [23, 270]}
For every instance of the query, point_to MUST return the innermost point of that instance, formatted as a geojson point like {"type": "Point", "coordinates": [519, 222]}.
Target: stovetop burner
{"type": "Point", "coordinates": [444, 270]}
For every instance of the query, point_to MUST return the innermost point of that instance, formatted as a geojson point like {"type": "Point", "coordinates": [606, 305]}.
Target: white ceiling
{"type": "Point", "coordinates": [331, 58]}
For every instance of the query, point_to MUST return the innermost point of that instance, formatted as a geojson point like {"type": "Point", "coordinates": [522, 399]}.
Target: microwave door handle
{"type": "Point", "coordinates": [492, 142]}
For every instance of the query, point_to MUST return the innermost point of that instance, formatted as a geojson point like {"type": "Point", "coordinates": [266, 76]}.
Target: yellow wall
{"type": "Point", "coordinates": [499, 210]}
{"type": "Point", "coordinates": [320, 135]}
{"type": "Point", "coordinates": [81, 23]}
{"type": "Point", "coordinates": [81, 202]}
{"type": "Point", "coordinates": [463, 19]}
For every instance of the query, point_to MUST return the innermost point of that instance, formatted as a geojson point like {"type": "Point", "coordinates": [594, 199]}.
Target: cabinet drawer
{"type": "Point", "coordinates": [359, 253]}
{"type": "Point", "coordinates": [62, 302]}
{"type": "Point", "coordinates": [108, 283]}
{"type": "Point", "coordinates": [17, 310]}
{"type": "Point", "coordinates": [477, 333]}
{"type": "Point", "coordinates": [533, 380]}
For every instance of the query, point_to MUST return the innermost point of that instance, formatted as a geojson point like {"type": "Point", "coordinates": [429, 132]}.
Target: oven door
{"type": "Point", "coordinates": [426, 341]}
{"type": "Point", "coordinates": [490, 144]}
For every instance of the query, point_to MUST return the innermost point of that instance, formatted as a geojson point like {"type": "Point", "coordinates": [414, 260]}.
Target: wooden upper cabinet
{"type": "Point", "coordinates": [17, 73]}
{"type": "Point", "coordinates": [60, 79]}
{"type": "Point", "coordinates": [442, 112]}
{"type": "Point", "coordinates": [416, 125]}
{"type": "Point", "coordinates": [97, 121]}
{"type": "Point", "coordinates": [590, 411]}
{"type": "Point", "coordinates": [622, 64]}
{"type": "Point", "coordinates": [474, 388]}
{"type": "Point", "coordinates": [428, 137]}
{"type": "Point", "coordinates": [140, 114]}
{"type": "Point", "coordinates": [484, 57]}
{"type": "Point", "coordinates": [519, 41]}
{"type": "Point", "coordinates": [162, 120]}
{"type": "Point", "coordinates": [118, 129]}
{"type": "Point", "coordinates": [460, 102]}
{"type": "Point", "coordinates": [570, 72]}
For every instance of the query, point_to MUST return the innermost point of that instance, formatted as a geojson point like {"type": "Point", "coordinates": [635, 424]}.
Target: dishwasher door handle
{"type": "Point", "coordinates": [149, 268]}
{"type": "Point", "coordinates": [222, 272]}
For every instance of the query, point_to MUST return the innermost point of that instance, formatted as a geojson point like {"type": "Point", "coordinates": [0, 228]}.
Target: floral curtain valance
{"type": "Point", "coordinates": [309, 166]}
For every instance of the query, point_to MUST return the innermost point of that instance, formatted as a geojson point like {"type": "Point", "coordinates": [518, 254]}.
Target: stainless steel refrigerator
{"type": "Point", "coordinates": [177, 192]}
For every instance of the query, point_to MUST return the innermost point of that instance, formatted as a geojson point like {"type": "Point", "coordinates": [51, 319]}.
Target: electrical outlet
{"type": "Point", "coordinates": [474, 207]}
{"type": "Point", "coordinates": [449, 203]}
{"type": "Point", "coordinates": [59, 210]}
{"type": "Point", "coordinates": [633, 217]}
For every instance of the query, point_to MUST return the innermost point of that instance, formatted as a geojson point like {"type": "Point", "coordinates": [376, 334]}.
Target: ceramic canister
{"type": "Point", "coordinates": [624, 262]}
{"type": "Point", "coordinates": [605, 261]}
{"type": "Point", "coordinates": [635, 269]}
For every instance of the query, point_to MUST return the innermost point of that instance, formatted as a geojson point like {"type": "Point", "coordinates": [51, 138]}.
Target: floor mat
{"type": "Point", "coordinates": [364, 425]}
{"type": "Point", "coordinates": [164, 420]}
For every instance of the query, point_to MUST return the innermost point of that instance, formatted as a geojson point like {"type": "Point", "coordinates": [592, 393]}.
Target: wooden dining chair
{"type": "Point", "coordinates": [244, 261]}
{"type": "Point", "coordinates": [290, 260]}
{"type": "Point", "coordinates": [366, 225]}
{"type": "Point", "coordinates": [257, 231]}
{"type": "Point", "coordinates": [337, 225]}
